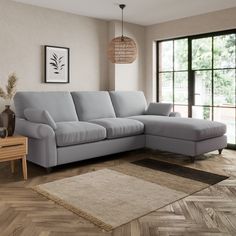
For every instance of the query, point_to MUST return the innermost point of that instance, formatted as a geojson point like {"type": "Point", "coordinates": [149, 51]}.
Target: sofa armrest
{"type": "Point", "coordinates": [33, 130]}
{"type": "Point", "coordinates": [175, 114]}
{"type": "Point", "coordinates": [42, 142]}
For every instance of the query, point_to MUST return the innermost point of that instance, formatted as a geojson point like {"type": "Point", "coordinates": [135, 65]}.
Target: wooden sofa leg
{"type": "Point", "coordinates": [49, 170]}
{"type": "Point", "coordinates": [192, 159]}
{"type": "Point", "coordinates": [220, 151]}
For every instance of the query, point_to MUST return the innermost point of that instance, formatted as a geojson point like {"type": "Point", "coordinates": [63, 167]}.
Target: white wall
{"type": "Point", "coordinates": [216, 21]}
{"type": "Point", "coordinates": [128, 76]}
{"type": "Point", "coordinates": [24, 30]}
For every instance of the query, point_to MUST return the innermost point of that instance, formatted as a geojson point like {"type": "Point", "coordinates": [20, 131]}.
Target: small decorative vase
{"type": "Point", "coordinates": [8, 120]}
{"type": "Point", "coordinates": [3, 132]}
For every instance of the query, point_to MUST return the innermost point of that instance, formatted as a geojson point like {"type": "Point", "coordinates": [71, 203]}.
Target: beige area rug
{"type": "Point", "coordinates": [112, 197]}
{"type": "Point", "coordinates": [109, 198]}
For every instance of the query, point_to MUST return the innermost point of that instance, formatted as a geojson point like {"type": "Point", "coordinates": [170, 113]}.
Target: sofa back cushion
{"type": "Point", "coordinates": [60, 105]}
{"type": "Point", "coordinates": [128, 103]}
{"type": "Point", "coordinates": [92, 105]}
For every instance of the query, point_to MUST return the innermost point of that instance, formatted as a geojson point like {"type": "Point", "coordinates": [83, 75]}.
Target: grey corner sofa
{"type": "Point", "coordinates": [65, 127]}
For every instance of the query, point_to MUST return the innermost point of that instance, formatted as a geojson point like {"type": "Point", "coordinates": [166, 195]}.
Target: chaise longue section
{"type": "Point", "coordinates": [167, 131]}
{"type": "Point", "coordinates": [186, 136]}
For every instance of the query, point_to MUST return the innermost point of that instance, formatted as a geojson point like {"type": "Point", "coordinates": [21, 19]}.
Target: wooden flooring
{"type": "Point", "coordinates": [209, 212]}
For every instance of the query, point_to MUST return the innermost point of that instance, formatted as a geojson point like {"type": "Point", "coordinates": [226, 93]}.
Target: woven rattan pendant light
{"type": "Point", "coordinates": [122, 50]}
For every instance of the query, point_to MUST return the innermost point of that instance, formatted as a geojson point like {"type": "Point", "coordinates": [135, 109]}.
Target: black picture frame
{"type": "Point", "coordinates": [56, 64]}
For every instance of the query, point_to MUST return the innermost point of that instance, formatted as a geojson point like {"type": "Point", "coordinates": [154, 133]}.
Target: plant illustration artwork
{"type": "Point", "coordinates": [56, 63]}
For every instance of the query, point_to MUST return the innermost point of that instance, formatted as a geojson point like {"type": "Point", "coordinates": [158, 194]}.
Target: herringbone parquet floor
{"type": "Point", "coordinates": [211, 211]}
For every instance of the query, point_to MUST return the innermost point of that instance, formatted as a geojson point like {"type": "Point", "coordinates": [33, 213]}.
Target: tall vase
{"type": "Point", "coordinates": [8, 120]}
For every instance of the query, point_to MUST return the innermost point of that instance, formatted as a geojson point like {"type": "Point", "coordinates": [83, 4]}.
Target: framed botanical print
{"type": "Point", "coordinates": [57, 64]}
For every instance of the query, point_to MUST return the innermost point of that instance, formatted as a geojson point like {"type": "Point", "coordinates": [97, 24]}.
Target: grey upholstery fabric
{"type": "Point", "coordinates": [93, 105]}
{"type": "Point", "coordinates": [39, 116]}
{"type": "Point", "coordinates": [72, 133]}
{"type": "Point", "coordinates": [185, 147]}
{"type": "Point", "coordinates": [181, 128]}
{"type": "Point", "coordinates": [60, 105]}
{"type": "Point", "coordinates": [180, 146]}
{"type": "Point", "coordinates": [41, 145]}
{"type": "Point", "coordinates": [101, 148]}
{"type": "Point", "coordinates": [159, 109]}
{"type": "Point", "coordinates": [128, 103]}
{"type": "Point", "coordinates": [74, 140]}
{"type": "Point", "coordinates": [174, 114]}
{"type": "Point", "coordinates": [33, 130]}
{"type": "Point", "coordinates": [120, 127]}
{"type": "Point", "coordinates": [210, 145]}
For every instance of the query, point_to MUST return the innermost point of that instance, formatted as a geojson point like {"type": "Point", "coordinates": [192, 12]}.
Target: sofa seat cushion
{"type": "Point", "coordinates": [120, 127]}
{"type": "Point", "coordinates": [72, 133]}
{"type": "Point", "coordinates": [181, 128]}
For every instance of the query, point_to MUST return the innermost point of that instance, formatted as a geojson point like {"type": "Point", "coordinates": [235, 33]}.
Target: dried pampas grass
{"type": "Point", "coordinates": [10, 88]}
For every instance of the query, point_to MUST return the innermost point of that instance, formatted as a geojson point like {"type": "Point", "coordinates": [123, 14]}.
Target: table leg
{"type": "Point", "coordinates": [24, 167]}
{"type": "Point", "coordinates": [12, 166]}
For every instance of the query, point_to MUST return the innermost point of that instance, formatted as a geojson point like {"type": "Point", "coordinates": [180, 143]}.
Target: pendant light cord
{"type": "Point", "coordinates": [122, 6]}
{"type": "Point", "coordinates": [122, 23]}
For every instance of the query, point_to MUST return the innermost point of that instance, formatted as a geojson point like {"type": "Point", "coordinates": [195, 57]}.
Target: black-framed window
{"type": "Point", "coordinates": [198, 75]}
{"type": "Point", "coordinates": [173, 73]}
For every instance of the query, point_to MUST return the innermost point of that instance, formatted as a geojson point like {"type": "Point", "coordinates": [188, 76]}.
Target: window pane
{"type": "Point", "coordinates": [224, 87]}
{"type": "Point", "coordinates": [183, 110]}
{"type": "Point", "coordinates": [202, 53]}
{"type": "Point", "coordinates": [224, 51]}
{"type": "Point", "coordinates": [227, 116]}
{"type": "Point", "coordinates": [203, 88]}
{"type": "Point", "coordinates": [166, 56]}
{"type": "Point", "coordinates": [166, 87]}
{"type": "Point", "coordinates": [202, 112]}
{"type": "Point", "coordinates": [181, 54]}
{"type": "Point", "coordinates": [181, 87]}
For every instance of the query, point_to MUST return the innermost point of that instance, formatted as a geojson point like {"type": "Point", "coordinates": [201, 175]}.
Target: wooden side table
{"type": "Point", "coordinates": [14, 148]}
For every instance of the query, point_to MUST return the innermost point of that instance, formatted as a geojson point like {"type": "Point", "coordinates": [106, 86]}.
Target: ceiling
{"type": "Point", "coordinates": [143, 12]}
